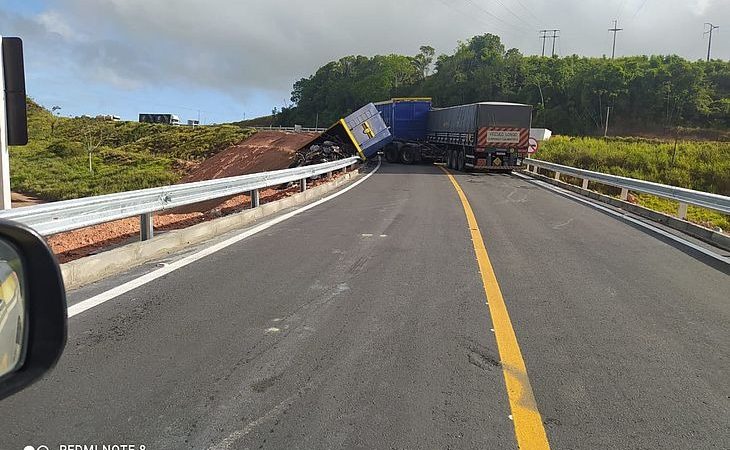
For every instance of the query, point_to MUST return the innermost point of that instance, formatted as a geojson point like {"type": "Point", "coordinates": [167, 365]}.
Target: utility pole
{"type": "Point", "coordinates": [608, 111]}
{"type": "Point", "coordinates": [709, 31]}
{"type": "Point", "coordinates": [614, 30]}
{"type": "Point", "coordinates": [544, 36]}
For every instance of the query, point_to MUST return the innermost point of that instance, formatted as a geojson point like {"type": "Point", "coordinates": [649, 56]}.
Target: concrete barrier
{"type": "Point", "coordinates": [97, 267]}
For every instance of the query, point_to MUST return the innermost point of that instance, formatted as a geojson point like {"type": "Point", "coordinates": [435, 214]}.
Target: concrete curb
{"type": "Point", "coordinates": [704, 234]}
{"type": "Point", "coordinates": [97, 267]}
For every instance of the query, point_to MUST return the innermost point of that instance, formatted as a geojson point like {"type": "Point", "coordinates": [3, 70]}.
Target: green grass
{"type": "Point", "coordinates": [699, 165]}
{"type": "Point", "coordinates": [695, 214]}
{"type": "Point", "coordinates": [55, 165]}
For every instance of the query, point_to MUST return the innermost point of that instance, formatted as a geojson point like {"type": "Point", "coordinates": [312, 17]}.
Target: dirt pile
{"type": "Point", "coordinates": [262, 152]}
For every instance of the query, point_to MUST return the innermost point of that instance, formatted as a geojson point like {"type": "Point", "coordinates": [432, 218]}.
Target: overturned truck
{"type": "Point", "coordinates": [361, 133]}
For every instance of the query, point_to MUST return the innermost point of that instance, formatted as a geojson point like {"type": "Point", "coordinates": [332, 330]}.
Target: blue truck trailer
{"type": "Point", "coordinates": [407, 120]}
{"type": "Point", "coordinates": [477, 136]}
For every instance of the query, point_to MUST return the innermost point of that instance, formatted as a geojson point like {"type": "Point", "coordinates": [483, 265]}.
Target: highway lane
{"type": "Point", "coordinates": [362, 323]}
{"type": "Point", "coordinates": [358, 323]}
{"type": "Point", "coordinates": [625, 334]}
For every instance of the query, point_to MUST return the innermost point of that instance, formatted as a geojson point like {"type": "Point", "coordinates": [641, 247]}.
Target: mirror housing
{"type": "Point", "coordinates": [45, 303]}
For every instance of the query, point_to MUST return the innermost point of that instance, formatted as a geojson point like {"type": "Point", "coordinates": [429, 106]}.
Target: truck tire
{"type": "Point", "coordinates": [391, 154]}
{"type": "Point", "coordinates": [406, 155]}
{"type": "Point", "coordinates": [449, 159]}
{"type": "Point", "coordinates": [460, 165]}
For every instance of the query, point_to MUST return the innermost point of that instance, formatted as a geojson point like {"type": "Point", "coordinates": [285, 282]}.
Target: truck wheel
{"type": "Point", "coordinates": [406, 155]}
{"type": "Point", "coordinates": [391, 154]}
{"type": "Point", "coordinates": [449, 159]}
{"type": "Point", "coordinates": [462, 157]}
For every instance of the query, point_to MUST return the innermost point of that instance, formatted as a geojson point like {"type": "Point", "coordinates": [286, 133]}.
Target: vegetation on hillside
{"type": "Point", "coordinates": [56, 165]}
{"type": "Point", "coordinates": [570, 94]}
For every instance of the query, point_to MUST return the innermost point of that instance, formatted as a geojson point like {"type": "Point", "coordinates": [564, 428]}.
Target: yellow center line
{"type": "Point", "coordinates": [529, 429]}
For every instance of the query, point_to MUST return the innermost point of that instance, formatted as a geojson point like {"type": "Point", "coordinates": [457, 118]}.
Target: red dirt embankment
{"type": "Point", "coordinates": [262, 152]}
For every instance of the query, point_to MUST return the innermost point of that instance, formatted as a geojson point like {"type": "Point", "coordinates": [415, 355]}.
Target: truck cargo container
{"type": "Point", "coordinates": [367, 130]}
{"type": "Point", "coordinates": [407, 120]}
{"type": "Point", "coordinates": [486, 135]}
{"type": "Point", "coordinates": [362, 133]}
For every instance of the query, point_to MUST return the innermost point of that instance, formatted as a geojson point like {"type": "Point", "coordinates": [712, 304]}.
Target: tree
{"type": "Point", "coordinates": [93, 138]}
{"type": "Point", "coordinates": [54, 117]}
{"type": "Point", "coordinates": [570, 94]}
{"type": "Point", "coordinates": [422, 61]}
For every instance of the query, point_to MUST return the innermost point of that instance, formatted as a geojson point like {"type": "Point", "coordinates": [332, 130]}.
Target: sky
{"type": "Point", "coordinates": [224, 61]}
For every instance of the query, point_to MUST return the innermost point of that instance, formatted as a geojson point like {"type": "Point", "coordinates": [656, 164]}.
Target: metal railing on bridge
{"type": "Point", "coordinates": [297, 129]}
{"type": "Point", "coordinates": [66, 215]}
{"type": "Point", "coordinates": [684, 196]}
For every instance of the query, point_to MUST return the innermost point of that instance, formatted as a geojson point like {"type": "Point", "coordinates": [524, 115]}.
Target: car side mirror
{"type": "Point", "coordinates": [33, 317]}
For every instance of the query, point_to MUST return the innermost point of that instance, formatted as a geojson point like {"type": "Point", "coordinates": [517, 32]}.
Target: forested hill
{"type": "Point", "coordinates": [570, 94]}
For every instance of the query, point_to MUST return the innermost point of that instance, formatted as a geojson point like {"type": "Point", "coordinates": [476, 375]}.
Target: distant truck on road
{"type": "Point", "coordinates": [477, 136]}
{"type": "Point", "coordinates": [168, 119]}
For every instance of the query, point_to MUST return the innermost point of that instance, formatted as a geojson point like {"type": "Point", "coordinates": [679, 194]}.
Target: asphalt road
{"type": "Point", "coordinates": [362, 323]}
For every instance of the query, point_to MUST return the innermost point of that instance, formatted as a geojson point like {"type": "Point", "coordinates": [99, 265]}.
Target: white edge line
{"type": "Point", "coordinates": [105, 296]}
{"type": "Point", "coordinates": [628, 218]}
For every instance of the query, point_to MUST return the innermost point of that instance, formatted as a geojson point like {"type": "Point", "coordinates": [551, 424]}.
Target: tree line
{"type": "Point", "coordinates": [570, 95]}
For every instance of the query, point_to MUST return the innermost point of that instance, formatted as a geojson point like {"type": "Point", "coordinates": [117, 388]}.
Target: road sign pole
{"type": "Point", "coordinates": [4, 158]}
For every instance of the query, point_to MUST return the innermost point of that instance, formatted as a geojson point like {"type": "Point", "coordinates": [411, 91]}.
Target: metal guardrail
{"type": "Point", "coordinates": [684, 196]}
{"type": "Point", "coordinates": [298, 129]}
{"type": "Point", "coordinates": [57, 217]}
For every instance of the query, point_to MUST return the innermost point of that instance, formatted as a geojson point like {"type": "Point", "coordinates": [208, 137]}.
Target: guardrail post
{"type": "Point", "coordinates": [585, 183]}
{"type": "Point", "coordinates": [146, 227]}
{"type": "Point", "coordinates": [344, 169]}
{"type": "Point", "coordinates": [329, 175]}
{"type": "Point", "coordinates": [682, 211]}
{"type": "Point", "coordinates": [255, 199]}
{"type": "Point", "coordinates": [624, 194]}
{"type": "Point", "coordinates": [557, 176]}
{"type": "Point", "coordinates": [302, 185]}
{"type": "Point", "coordinates": [534, 169]}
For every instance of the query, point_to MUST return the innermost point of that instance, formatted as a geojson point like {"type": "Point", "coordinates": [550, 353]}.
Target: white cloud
{"type": "Point", "coordinates": [54, 22]}
{"type": "Point", "coordinates": [264, 46]}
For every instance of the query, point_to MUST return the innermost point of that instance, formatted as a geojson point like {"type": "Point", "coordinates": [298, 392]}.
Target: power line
{"type": "Point", "coordinates": [490, 14]}
{"type": "Point", "coordinates": [515, 15]}
{"type": "Point", "coordinates": [529, 11]}
{"type": "Point", "coordinates": [709, 31]}
{"type": "Point", "coordinates": [639, 9]}
{"type": "Point", "coordinates": [614, 30]}
{"type": "Point", "coordinates": [620, 9]}
{"type": "Point", "coordinates": [479, 18]}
